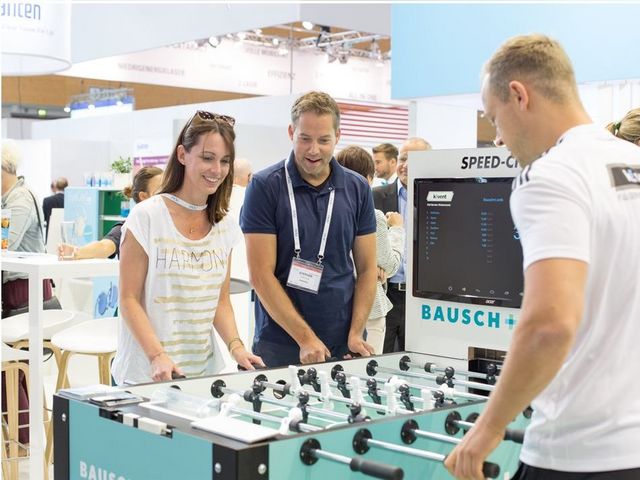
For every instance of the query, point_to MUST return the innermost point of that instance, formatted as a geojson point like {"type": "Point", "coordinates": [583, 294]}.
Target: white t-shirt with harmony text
{"type": "Point", "coordinates": [181, 291]}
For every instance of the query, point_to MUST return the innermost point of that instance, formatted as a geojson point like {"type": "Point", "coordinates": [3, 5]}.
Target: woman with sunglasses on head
{"type": "Point", "coordinates": [174, 263]}
{"type": "Point", "coordinates": [146, 183]}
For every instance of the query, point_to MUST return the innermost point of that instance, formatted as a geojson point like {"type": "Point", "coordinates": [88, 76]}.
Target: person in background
{"type": "Point", "coordinates": [576, 205]}
{"type": "Point", "coordinates": [303, 219]}
{"type": "Point", "coordinates": [242, 172]}
{"type": "Point", "coordinates": [393, 198]}
{"type": "Point", "coordinates": [175, 262]}
{"type": "Point", "coordinates": [146, 183]}
{"type": "Point", "coordinates": [25, 235]}
{"type": "Point", "coordinates": [385, 158]}
{"type": "Point", "coordinates": [628, 128]}
{"type": "Point", "coordinates": [54, 201]}
{"type": "Point", "coordinates": [389, 246]}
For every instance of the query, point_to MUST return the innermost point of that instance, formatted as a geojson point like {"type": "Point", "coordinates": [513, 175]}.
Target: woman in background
{"type": "Point", "coordinates": [628, 128]}
{"type": "Point", "coordinates": [174, 263]}
{"type": "Point", "coordinates": [146, 183]}
{"type": "Point", "coordinates": [389, 246]}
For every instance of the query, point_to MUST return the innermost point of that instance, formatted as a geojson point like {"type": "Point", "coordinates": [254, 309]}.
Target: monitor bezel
{"type": "Point", "coordinates": [445, 296]}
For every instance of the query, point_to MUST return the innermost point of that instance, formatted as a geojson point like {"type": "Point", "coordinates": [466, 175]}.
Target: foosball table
{"type": "Point", "coordinates": [391, 416]}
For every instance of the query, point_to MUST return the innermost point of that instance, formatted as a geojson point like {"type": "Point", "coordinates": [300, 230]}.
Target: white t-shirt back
{"type": "Point", "coordinates": [181, 291]}
{"type": "Point", "coordinates": [582, 201]}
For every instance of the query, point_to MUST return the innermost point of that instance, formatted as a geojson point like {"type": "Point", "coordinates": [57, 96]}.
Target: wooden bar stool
{"type": "Point", "coordinates": [97, 337]}
{"type": "Point", "coordinates": [13, 362]}
{"type": "Point", "coordinates": [15, 330]}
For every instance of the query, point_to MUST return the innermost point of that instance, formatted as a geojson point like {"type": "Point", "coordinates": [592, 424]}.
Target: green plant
{"type": "Point", "coordinates": [122, 165]}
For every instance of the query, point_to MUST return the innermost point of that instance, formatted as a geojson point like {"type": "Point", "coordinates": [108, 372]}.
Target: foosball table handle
{"type": "Point", "coordinates": [376, 469]}
{"type": "Point", "coordinates": [516, 436]}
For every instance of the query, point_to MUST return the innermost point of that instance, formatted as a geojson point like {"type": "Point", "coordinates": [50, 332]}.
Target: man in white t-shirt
{"type": "Point", "coordinates": [574, 355]}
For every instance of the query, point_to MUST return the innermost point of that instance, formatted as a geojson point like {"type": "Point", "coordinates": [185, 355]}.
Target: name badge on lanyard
{"type": "Point", "coordinates": [305, 275]}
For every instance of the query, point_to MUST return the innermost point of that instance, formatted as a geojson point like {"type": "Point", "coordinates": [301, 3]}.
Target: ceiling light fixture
{"type": "Point", "coordinates": [331, 55]}
{"type": "Point", "coordinates": [283, 50]}
{"type": "Point", "coordinates": [375, 49]}
{"type": "Point", "coordinates": [323, 35]}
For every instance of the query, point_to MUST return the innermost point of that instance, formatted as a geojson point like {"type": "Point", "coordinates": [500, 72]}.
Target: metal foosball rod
{"type": "Point", "coordinates": [311, 451]}
{"type": "Point", "coordinates": [363, 441]}
{"type": "Point", "coordinates": [325, 393]}
{"type": "Point", "coordinates": [410, 431]}
{"type": "Point", "coordinates": [219, 388]}
{"type": "Point", "coordinates": [373, 368]}
{"type": "Point", "coordinates": [294, 426]}
{"type": "Point", "coordinates": [401, 388]}
{"type": "Point", "coordinates": [405, 363]}
{"type": "Point", "coordinates": [339, 381]}
{"type": "Point", "coordinates": [453, 423]}
{"type": "Point", "coordinates": [452, 392]}
{"type": "Point", "coordinates": [281, 389]}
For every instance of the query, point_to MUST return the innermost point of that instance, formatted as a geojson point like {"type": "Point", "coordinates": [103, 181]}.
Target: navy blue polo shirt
{"type": "Point", "coordinates": [266, 209]}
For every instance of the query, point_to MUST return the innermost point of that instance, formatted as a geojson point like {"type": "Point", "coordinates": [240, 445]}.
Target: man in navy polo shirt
{"type": "Point", "coordinates": [307, 222]}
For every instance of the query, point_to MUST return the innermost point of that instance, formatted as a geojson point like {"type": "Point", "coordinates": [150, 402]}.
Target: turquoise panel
{"type": "Point", "coordinates": [340, 441]}
{"type": "Point", "coordinates": [100, 448]}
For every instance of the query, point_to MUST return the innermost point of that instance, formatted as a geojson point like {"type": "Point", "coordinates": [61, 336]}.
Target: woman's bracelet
{"type": "Point", "coordinates": [156, 355]}
{"type": "Point", "coordinates": [235, 340]}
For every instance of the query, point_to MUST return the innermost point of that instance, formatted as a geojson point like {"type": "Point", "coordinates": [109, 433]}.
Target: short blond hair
{"type": "Point", "coordinates": [537, 59]}
{"type": "Point", "coordinates": [628, 128]}
{"type": "Point", "coordinates": [10, 156]}
{"type": "Point", "coordinates": [319, 103]}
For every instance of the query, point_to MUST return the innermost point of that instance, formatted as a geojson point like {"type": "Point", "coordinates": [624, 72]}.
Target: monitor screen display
{"type": "Point", "coordinates": [465, 246]}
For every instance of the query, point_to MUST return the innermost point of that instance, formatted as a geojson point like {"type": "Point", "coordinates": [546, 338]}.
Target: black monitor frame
{"type": "Point", "coordinates": [494, 301]}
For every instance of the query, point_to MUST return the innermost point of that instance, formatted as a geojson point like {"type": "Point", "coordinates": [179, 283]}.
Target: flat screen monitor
{"type": "Point", "coordinates": [465, 247]}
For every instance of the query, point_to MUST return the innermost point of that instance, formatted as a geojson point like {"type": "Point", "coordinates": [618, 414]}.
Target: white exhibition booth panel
{"type": "Point", "coordinates": [428, 328]}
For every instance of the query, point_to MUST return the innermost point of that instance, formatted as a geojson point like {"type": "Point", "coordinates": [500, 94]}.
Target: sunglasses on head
{"type": "Point", "coordinates": [202, 116]}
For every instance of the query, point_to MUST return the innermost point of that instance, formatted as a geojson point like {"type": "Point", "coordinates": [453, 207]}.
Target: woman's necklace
{"type": "Point", "coordinates": [184, 203]}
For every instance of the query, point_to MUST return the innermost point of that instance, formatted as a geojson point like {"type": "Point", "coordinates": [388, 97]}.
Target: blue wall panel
{"type": "Point", "coordinates": [439, 49]}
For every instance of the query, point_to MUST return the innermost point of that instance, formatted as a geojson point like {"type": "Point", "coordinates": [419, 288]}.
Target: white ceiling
{"type": "Point", "coordinates": [104, 28]}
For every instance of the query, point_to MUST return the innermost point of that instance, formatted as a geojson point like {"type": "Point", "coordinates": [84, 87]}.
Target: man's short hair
{"type": "Point", "coordinates": [356, 159]}
{"type": "Point", "coordinates": [389, 150]}
{"type": "Point", "coordinates": [61, 183]}
{"type": "Point", "coordinates": [414, 144]}
{"type": "Point", "coordinates": [537, 59]}
{"type": "Point", "coordinates": [317, 102]}
{"type": "Point", "coordinates": [10, 156]}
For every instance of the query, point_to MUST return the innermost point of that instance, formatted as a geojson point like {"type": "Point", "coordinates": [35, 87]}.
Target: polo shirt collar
{"type": "Point", "coordinates": [336, 178]}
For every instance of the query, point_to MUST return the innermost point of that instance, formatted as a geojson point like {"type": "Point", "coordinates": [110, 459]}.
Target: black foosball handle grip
{"type": "Point", "coordinates": [516, 436]}
{"type": "Point", "coordinates": [376, 469]}
{"type": "Point", "coordinates": [490, 470]}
